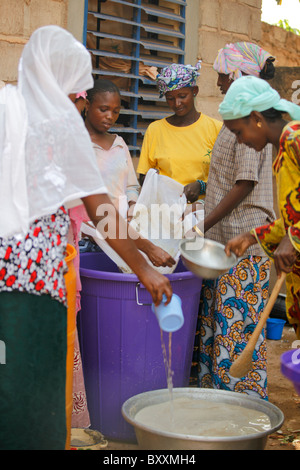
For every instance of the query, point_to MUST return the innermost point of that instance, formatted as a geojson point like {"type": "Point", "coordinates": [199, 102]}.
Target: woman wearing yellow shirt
{"type": "Point", "coordinates": [180, 145]}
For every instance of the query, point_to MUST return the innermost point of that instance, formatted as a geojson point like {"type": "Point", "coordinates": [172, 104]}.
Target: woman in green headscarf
{"type": "Point", "coordinates": [239, 195]}
{"type": "Point", "coordinates": [252, 110]}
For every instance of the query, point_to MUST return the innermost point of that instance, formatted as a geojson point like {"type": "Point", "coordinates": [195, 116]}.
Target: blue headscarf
{"type": "Point", "coordinates": [247, 94]}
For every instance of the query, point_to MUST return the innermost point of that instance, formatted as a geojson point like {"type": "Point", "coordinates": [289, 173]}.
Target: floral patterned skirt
{"type": "Point", "coordinates": [231, 308]}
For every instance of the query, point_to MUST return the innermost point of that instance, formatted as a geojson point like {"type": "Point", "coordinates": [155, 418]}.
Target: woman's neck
{"type": "Point", "coordinates": [186, 120]}
{"type": "Point", "coordinates": [276, 131]}
{"type": "Point", "coordinates": [104, 140]}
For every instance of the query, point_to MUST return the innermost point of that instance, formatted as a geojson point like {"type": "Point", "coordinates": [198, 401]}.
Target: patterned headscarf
{"type": "Point", "coordinates": [249, 94]}
{"type": "Point", "coordinates": [177, 76]}
{"type": "Point", "coordinates": [240, 57]}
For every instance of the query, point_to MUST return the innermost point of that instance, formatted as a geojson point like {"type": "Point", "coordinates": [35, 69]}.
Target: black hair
{"type": "Point", "coordinates": [272, 114]}
{"type": "Point", "coordinates": [268, 70]}
{"type": "Point", "coordinates": [102, 86]}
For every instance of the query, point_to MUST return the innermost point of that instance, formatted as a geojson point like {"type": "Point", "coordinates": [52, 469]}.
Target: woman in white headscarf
{"type": "Point", "coordinates": [46, 160]}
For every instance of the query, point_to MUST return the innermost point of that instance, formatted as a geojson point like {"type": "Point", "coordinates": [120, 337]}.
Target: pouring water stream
{"type": "Point", "coordinates": [169, 372]}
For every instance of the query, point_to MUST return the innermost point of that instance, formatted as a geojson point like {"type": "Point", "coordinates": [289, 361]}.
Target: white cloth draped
{"type": "Point", "coordinates": [46, 155]}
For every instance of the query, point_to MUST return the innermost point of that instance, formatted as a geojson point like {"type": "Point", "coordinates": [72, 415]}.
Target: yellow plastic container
{"type": "Point", "coordinates": [70, 279]}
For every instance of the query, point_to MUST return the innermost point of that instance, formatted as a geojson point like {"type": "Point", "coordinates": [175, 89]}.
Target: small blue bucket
{"type": "Point", "coordinates": [275, 328]}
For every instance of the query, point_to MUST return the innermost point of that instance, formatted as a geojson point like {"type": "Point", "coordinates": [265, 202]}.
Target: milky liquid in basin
{"type": "Point", "coordinates": [186, 415]}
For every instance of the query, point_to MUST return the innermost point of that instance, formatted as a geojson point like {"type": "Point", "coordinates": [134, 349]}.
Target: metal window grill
{"type": "Point", "coordinates": [130, 40]}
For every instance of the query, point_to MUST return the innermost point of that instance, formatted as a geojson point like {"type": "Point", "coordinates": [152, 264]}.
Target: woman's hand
{"type": "Point", "coordinates": [156, 284]}
{"type": "Point", "coordinates": [192, 191]}
{"type": "Point", "coordinates": [285, 256]}
{"type": "Point", "coordinates": [238, 245]}
{"type": "Point", "coordinates": [158, 256]}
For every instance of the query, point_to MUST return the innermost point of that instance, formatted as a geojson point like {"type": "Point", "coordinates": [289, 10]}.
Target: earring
{"type": "Point", "coordinates": [259, 124]}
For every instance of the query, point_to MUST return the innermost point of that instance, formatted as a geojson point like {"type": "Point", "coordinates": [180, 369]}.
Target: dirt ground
{"type": "Point", "coordinates": [281, 394]}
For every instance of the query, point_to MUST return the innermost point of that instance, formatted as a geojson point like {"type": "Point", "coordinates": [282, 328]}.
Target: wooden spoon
{"type": "Point", "coordinates": [243, 364]}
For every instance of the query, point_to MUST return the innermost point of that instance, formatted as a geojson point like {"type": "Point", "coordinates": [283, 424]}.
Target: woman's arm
{"type": "Point", "coordinates": [100, 209]}
{"type": "Point", "coordinates": [233, 198]}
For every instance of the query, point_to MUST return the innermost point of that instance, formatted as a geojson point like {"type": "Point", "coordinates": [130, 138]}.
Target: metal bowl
{"type": "Point", "coordinates": [206, 258]}
{"type": "Point", "coordinates": [151, 439]}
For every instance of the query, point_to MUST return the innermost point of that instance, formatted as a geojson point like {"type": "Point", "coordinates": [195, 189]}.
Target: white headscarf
{"type": "Point", "coordinates": [46, 155]}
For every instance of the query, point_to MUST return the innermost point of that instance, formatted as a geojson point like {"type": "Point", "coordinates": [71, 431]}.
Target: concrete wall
{"type": "Point", "coordinates": [19, 18]}
{"type": "Point", "coordinates": [192, 28]}
{"type": "Point", "coordinates": [221, 22]}
{"type": "Point", "coordinates": [285, 46]}
{"type": "Point", "coordinates": [210, 24]}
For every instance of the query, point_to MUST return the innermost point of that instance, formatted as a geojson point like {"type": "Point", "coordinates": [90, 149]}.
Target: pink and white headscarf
{"type": "Point", "coordinates": [240, 57]}
{"type": "Point", "coordinates": [82, 94]}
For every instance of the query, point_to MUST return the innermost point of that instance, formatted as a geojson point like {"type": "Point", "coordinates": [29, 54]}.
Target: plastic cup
{"type": "Point", "coordinates": [170, 317]}
{"type": "Point", "coordinates": [275, 328]}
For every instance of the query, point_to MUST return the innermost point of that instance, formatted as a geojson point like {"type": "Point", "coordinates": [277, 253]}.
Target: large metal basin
{"type": "Point", "coordinates": [206, 258]}
{"type": "Point", "coordinates": [151, 439]}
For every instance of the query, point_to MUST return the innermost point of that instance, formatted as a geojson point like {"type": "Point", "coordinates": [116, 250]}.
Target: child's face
{"type": "Point", "coordinates": [104, 110]}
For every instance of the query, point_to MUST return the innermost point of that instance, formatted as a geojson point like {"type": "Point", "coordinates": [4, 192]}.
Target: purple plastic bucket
{"type": "Point", "coordinates": [290, 367]}
{"type": "Point", "coordinates": [120, 339]}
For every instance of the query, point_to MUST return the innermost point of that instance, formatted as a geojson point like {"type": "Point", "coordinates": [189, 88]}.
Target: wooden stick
{"type": "Point", "coordinates": [243, 364]}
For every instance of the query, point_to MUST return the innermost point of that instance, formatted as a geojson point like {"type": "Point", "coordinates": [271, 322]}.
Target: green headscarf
{"type": "Point", "coordinates": [247, 94]}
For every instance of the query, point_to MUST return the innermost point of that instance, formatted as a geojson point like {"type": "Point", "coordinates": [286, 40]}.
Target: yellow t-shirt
{"type": "Point", "coordinates": [182, 153]}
